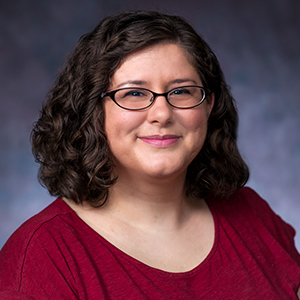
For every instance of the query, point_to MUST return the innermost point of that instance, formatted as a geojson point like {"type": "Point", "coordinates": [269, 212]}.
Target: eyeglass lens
{"type": "Point", "coordinates": [138, 98]}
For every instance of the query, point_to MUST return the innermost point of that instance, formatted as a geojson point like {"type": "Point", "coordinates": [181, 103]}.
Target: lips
{"type": "Point", "coordinates": [160, 140]}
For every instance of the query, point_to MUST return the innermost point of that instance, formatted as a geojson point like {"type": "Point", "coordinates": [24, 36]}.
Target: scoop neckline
{"type": "Point", "coordinates": [140, 264]}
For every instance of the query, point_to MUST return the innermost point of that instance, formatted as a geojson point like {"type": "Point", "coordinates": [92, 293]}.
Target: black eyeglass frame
{"type": "Point", "coordinates": [111, 94]}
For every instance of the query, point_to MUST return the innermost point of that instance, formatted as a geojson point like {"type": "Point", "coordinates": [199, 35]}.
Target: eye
{"type": "Point", "coordinates": [180, 91]}
{"type": "Point", "coordinates": [134, 93]}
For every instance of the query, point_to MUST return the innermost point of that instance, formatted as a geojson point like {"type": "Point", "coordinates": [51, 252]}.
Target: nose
{"type": "Point", "coordinates": [160, 111]}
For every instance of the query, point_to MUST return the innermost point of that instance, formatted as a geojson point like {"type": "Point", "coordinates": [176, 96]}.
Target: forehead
{"type": "Point", "coordinates": [167, 59]}
{"type": "Point", "coordinates": [153, 47]}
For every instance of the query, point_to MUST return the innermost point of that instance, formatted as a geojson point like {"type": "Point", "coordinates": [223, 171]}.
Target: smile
{"type": "Point", "coordinates": [160, 140]}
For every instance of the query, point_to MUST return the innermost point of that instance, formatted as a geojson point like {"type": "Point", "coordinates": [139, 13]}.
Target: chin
{"type": "Point", "coordinates": [165, 173]}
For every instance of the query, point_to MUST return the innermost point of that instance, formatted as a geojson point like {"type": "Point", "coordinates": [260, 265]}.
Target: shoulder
{"type": "Point", "coordinates": [246, 203]}
{"type": "Point", "coordinates": [246, 206]}
{"type": "Point", "coordinates": [28, 240]}
{"type": "Point", "coordinates": [246, 197]}
{"type": "Point", "coordinates": [251, 216]}
{"type": "Point", "coordinates": [40, 222]}
{"type": "Point", "coordinates": [50, 221]}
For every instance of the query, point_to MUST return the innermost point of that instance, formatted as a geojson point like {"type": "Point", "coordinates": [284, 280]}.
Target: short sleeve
{"type": "Point", "coordinates": [32, 266]}
{"type": "Point", "coordinates": [283, 232]}
{"type": "Point", "coordinates": [13, 295]}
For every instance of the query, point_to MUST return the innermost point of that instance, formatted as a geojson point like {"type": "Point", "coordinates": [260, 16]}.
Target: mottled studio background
{"type": "Point", "coordinates": [258, 45]}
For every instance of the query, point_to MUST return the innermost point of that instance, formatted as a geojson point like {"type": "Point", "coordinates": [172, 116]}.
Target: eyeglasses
{"type": "Point", "coordinates": [133, 98]}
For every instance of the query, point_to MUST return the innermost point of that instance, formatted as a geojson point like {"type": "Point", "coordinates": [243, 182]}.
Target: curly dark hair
{"type": "Point", "coordinates": [69, 139]}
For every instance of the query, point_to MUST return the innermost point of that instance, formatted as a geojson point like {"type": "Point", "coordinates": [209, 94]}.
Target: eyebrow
{"type": "Point", "coordinates": [142, 82]}
{"type": "Point", "coordinates": [183, 80]}
{"type": "Point", "coordinates": [132, 82]}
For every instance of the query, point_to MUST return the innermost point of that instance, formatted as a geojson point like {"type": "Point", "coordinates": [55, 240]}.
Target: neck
{"type": "Point", "coordinates": [152, 202]}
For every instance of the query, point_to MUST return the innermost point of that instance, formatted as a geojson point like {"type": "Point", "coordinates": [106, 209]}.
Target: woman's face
{"type": "Point", "coordinates": [161, 141]}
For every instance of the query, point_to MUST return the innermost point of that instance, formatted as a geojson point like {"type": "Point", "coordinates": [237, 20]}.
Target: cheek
{"type": "Point", "coordinates": [196, 121]}
{"type": "Point", "coordinates": [196, 129]}
{"type": "Point", "coordinates": [120, 124]}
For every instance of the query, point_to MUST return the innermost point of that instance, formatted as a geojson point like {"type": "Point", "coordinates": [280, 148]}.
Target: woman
{"type": "Point", "coordinates": [137, 138]}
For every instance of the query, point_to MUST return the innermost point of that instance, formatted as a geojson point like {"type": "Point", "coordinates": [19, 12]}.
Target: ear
{"type": "Point", "coordinates": [210, 100]}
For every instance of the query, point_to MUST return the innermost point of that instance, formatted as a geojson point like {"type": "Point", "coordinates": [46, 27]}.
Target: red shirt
{"type": "Point", "coordinates": [55, 255]}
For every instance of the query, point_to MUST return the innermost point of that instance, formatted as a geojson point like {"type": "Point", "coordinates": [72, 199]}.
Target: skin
{"type": "Point", "coordinates": [159, 68]}
{"type": "Point", "coordinates": [147, 214]}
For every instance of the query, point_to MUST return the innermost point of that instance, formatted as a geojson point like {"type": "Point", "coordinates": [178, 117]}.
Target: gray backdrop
{"type": "Point", "coordinates": [257, 43]}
